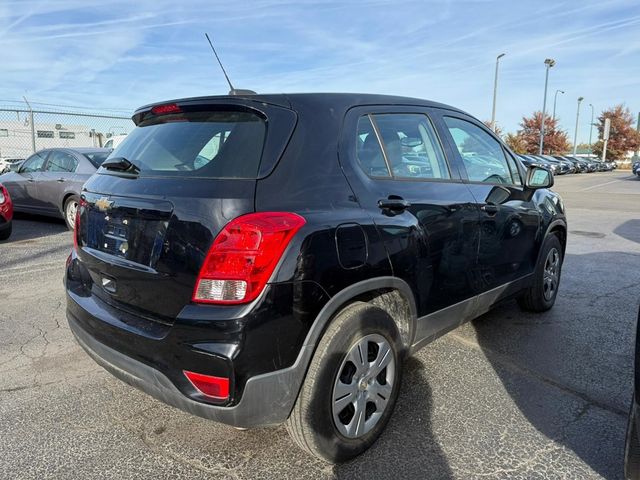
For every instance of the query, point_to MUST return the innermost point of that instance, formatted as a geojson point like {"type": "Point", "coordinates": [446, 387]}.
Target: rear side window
{"type": "Point", "coordinates": [399, 145]}
{"type": "Point", "coordinates": [482, 155]}
{"type": "Point", "coordinates": [215, 144]}
{"type": "Point", "coordinates": [61, 162]}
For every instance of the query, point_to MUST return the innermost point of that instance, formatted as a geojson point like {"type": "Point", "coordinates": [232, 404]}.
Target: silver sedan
{"type": "Point", "coordinates": [50, 181]}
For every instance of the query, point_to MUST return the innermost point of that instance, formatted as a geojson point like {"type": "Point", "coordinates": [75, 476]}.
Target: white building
{"type": "Point", "coordinates": [16, 137]}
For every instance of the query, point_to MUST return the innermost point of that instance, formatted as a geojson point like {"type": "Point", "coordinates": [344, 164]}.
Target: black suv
{"type": "Point", "coordinates": [263, 259]}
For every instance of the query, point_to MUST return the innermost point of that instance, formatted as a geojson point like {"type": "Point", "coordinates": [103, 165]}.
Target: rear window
{"type": "Point", "coordinates": [214, 144]}
{"type": "Point", "coordinates": [96, 159]}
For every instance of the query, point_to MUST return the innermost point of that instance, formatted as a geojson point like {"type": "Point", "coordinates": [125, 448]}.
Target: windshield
{"type": "Point", "coordinates": [214, 144]}
{"type": "Point", "coordinates": [97, 158]}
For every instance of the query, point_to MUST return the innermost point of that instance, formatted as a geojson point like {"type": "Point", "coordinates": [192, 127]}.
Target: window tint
{"type": "Point", "coordinates": [34, 163]}
{"type": "Point", "coordinates": [61, 162]}
{"type": "Point", "coordinates": [482, 155]}
{"type": "Point", "coordinates": [411, 147]}
{"type": "Point", "coordinates": [369, 152]}
{"type": "Point", "coordinates": [216, 144]}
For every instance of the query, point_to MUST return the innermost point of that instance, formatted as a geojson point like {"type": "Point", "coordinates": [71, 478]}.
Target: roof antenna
{"type": "Point", "coordinates": [232, 90]}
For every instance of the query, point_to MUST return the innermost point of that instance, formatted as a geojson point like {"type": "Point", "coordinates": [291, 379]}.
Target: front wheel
{"type": "Point", "coordinates": [351, 387]}
{"type": "Point", "coordinates": [541, 296]}
{"type": "Point", "coordinates": [70, 209]}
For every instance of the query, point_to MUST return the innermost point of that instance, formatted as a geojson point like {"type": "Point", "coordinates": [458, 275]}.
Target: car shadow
{"type": "Point", "coordinates": [629, 230]}
{"type": "Point", "coordinates": [407, 448]}
{"type": "Point", "coordinates": [570, 370]}
{"type": "Point", "coordinates": [30, 227]}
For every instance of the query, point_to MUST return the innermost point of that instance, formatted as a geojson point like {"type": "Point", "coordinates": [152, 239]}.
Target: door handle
{"type": "Point", "coordinates": [490, 208]}
{"type": "Point", "coordinates": [395, 204]}
{"type": "Point", "coordinates": [60, 180]}
{"type": "Point", "coordinates": [30, 179]}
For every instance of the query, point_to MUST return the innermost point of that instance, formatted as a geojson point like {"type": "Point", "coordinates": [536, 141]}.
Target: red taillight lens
{"type": "Point", "coordinates": [3, 197]}
{"type": "Point", "coordinates": [214, 387]}
{"type": "Point", "coordinates": [165, 109]}
{"type": "Point", "coordinates": [243, 257]}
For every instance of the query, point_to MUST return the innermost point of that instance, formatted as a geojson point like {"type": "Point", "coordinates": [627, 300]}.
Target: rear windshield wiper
{"type": "Point", "coordinates": [120, 164]}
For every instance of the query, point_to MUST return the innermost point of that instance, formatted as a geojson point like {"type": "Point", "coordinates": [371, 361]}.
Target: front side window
{"type": "Point", "coordinates": [34, 163]}
{"type": "Point", "coordinates": [61, 162]}
{"type": "Point", "coordinates": [482, 155]}
{"type": "Point", "coordinates": [401, 145]}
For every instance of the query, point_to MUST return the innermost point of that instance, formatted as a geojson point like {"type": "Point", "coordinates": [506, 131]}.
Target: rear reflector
{"type": "Point", "coordinates": [208, 385]}
{"type": "Point", "coordinates": [165, 109]}
{"type": "Point", "coordinates": [243, 257]}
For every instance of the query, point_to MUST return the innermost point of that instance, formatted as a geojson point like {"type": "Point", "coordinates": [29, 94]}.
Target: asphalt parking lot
{"type": "Point", "coordinates": [509, 395]}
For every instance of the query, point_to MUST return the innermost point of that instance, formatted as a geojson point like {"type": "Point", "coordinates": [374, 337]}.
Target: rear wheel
{"type": "Point", "coordinates": [351, 387]}
{"type": "Point", "coordinates": [542, 294]}
{"type": "Point", "coordinates": [70, 209]}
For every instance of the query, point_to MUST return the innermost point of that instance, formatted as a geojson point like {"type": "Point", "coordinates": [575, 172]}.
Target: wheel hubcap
{"type": "Point", "coordinates": [551, 274]}
{"type": "Point", "coordinates": [363, 386]}
{"type": "Point", "coordinates": [72, 209]}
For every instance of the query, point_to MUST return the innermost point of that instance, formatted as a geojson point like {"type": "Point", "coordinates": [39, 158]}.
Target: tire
{"type": "Point", "coordinates": [540, 297]}
{"type": "Point", "coordinates": [632, 447]}
{"type": "Point", "coordinates": [5, 232]}
{"type": "Point", "coordinates": [314, 423]}
{"type": "Point", "coordinates": [68, 210]}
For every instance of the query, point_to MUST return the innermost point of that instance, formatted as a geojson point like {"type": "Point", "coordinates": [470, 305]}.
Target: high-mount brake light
{"type": "Point", "coordinates": [208, 385]}
{"type": "Point", "coordinates": [166, 109]}
{"type": "Point", "coordinates": [243, 257]}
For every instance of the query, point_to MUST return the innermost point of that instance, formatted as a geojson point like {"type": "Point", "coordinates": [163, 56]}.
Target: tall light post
{"type": "Point", "coordinates": [575, 136]}
{"type": "Point", "coordinates": [549, 62]}
{"type": "Point", "coordinates": [495, 93]}
{"type": "Point", "coordinates": [555, 99]}
{"type": "Point", "coordinates": [590, 128]}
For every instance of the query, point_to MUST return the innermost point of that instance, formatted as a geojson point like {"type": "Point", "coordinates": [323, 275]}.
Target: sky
{"type": "Point", "coordinates": [124, 54]}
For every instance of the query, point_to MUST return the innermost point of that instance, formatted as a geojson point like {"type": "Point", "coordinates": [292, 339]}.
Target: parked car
{"type": "Point", "coordinates": [632, 444]}
{"type": "Point", "coordinates": [5, 163]}
{"type": "Point", "coordinates": [541, 162]}
{"type": "Point", "coordinates": [258, 276]}
{"type": "Point", "coordinates": [635, 168]}
{"type": "Point", "coordinates": [114, 141]}
{"type": "Point", "coordinates": [14, 167]}
{"type": "Point", "coordinates": [50, 181]}
{"type": "Point", "coordinates": [6, 213]}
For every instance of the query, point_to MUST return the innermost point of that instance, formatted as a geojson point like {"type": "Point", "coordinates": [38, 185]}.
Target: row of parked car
{"type": "Point", "coordinates": [561, 165]}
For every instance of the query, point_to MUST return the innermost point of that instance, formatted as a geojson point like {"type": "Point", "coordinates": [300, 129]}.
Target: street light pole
{"type": "Point", "coordinates": [549, 62]}
{"type": "Point", "coordinates": [591, 129]}
{"type": "Point", "coordinates": [555, 99]}
{"type": "Point", "coordinates": [575, 136]}
{"type": "Point", "coordinates": [495, 93]}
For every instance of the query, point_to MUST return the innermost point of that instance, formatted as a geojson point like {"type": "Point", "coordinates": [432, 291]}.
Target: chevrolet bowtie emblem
{"type": "Point", "coordinates": [104, 204]}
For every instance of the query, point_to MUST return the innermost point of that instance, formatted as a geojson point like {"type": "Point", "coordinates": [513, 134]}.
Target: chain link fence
{"type": "Point", "coordinates": [24, 131]}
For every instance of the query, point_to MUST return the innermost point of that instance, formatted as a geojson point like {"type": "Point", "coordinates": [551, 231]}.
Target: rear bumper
{"type": "Point", "coordinates": [267, 400]}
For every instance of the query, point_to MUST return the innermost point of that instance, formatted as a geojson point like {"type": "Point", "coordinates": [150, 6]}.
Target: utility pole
{"type": "Point", "coordinates": [495, 93]}
{"type": "Point", "coordinates": [549, 62]}
{"type": "Point", "coordinates": [575, 136]}
{"type": "Point", "coordinates": [591, 129]}
{"type": "Point", "coordinates": [33, 132]}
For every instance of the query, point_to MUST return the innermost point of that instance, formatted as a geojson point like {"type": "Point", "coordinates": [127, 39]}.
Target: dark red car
{"type": "Point", "coordinates": [6, 213]}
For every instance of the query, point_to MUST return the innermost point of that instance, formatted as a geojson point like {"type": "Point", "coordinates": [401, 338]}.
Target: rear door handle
{"type": "Point", "coordinates": [60, 180]}
{"type": "Point", "coordinates": [490, 208]}
{"type": "Point", "coordinates": [395, 204]}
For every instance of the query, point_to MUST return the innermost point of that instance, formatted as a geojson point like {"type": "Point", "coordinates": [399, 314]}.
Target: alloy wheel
{"type": "Point", "coordinates": [71, 210]}
{"type": "Point", "coordinates": [551, 274]}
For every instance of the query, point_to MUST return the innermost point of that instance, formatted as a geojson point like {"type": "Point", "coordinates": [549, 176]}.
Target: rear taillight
{"type": "Point", "coordinates": [243, 257]}
{"type": "Point", "coordinates": [3, 197]}
{"type": "Point", "coordinates": [208, 385]}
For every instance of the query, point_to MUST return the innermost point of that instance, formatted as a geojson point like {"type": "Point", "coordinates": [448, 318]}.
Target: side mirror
{"type": "Point", "coordinates": [538, 177]}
